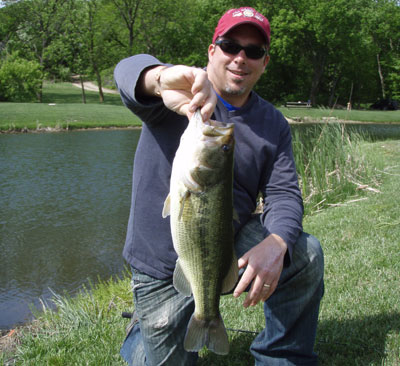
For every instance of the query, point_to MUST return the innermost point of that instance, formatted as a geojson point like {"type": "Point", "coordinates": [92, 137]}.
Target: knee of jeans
{"type": "Point", "coordinates": [315, 255]}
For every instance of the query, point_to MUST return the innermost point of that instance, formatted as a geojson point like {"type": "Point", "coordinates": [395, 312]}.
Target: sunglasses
{"type": "Point", "coordinates": [234, 48]}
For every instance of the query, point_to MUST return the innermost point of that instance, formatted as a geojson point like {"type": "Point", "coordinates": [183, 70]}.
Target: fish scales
{"type": "Point", "coordinates": [201, 207]}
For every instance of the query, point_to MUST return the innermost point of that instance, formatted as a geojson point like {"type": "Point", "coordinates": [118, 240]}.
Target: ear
{"type": "Point", "coordinates": [266, 60]}
{"type": "Point", "coordinates": [211, 50]}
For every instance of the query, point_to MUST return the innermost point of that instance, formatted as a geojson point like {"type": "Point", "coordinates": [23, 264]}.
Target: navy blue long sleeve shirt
{"type": "Point", "coordinates": [263, 164]}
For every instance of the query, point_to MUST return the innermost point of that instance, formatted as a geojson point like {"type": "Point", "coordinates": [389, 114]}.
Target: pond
{"type": "Point", "coordinates": [65, 201]}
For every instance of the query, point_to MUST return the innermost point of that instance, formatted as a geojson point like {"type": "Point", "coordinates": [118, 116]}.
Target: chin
{"type": "Point", "coordinates": [235, 90]}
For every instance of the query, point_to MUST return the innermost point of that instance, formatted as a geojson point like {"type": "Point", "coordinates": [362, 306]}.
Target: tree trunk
{"type": "Point", "coordinates": [381, 76]}
{"type": "Point", "coordinates": [333, 90]}
{"type": "Point", "coordinates": [83, 90]}
{"type": "Point", "coordinates": [351, 92]}
{"type": "Point", "coordinates": [319, 66]}
{"type": "Point", "coordinates": [39, 94]}
{"type": "Point", "coordinates": [98, 77]}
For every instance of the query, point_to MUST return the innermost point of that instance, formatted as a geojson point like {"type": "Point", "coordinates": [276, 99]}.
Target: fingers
{"type": "Point", "coordinates": [204, 96]}
{"type": "Point", "coordinates": [262, 286]}
{"type": "Point", "coordinates": [184, 89]}
{"type": "Point", "coordinates": [264, 264]}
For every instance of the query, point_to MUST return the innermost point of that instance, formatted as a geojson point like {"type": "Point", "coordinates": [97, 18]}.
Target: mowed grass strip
{"type": "Point", "coordinates": [326, 114]}
{"type": "Point", "coordinates": [62, 108]}
{"type": "Point", "coordinates": [35, 116]}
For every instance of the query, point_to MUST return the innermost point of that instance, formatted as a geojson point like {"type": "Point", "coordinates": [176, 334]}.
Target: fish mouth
{"type": "Point", "coordinates": [213, 132]}
{"type": "Point", "coordinates": [212, 128]}
{"type": "Point", "coordinates": [210, 134]}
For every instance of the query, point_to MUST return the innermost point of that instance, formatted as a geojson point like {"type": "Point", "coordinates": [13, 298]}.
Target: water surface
{"type": "Point", "coordinates": [65, 201]}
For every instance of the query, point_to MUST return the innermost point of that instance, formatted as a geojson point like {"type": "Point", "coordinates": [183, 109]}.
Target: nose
{"type": "Point", "coordinates": [241, 57]}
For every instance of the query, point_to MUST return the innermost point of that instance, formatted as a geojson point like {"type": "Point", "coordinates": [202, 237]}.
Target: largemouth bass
{"type": "Point", "coordinates": [200, 204]}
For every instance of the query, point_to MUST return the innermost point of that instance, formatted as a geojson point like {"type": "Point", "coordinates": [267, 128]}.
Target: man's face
{"type": "Point", "coordinates": [233, 76]}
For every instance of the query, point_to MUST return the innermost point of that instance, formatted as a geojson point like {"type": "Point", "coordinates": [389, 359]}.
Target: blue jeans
{"type": "Point", "coordinates": [291, 313]}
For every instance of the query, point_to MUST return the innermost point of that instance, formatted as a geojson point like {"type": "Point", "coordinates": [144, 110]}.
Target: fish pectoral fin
{"type": "Point", "coordinates": [180, 281]}
{"type": "Point", "coordinates": [167, 207]}
{"type": "Point", "coordinates": [184, 196]}
{"type": "Point", "coordinates": [231, 278]}
{"type": "Point", "coordinates": [210, 333]}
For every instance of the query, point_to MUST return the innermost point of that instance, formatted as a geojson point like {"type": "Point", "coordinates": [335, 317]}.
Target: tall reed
{"type": "Point", "coordinates": [330, 165]}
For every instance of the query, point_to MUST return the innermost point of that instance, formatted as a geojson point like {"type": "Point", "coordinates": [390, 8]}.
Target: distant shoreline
{"type": "Point", "coordinates": [307, 121]}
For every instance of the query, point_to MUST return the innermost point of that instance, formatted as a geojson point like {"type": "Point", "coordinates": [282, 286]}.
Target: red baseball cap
{"type": "Point", "coordinates": [246, 15]}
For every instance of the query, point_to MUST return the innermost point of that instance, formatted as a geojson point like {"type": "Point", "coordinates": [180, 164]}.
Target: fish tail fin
{"type": "Point", "coordinates": [210, 333]}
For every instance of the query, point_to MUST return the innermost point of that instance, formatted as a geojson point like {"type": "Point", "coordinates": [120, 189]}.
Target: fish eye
{"type": "Point", "coordinates": [225, 148]}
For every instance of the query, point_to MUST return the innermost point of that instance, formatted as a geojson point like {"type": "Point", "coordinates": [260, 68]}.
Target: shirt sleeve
{"type": "Point", "coordinates": [126, 75]}
{"type": "Point", "coordinates": [283, 204]}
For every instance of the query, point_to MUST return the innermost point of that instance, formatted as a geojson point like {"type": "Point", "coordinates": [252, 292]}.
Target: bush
{"type": "Point", "coordinates": [20, 79]}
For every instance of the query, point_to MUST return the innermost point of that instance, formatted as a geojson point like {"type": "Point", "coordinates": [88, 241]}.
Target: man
{"type": "Point", "coordinates": [281, 265]}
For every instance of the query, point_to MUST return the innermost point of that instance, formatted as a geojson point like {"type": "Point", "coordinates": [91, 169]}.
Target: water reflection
{"type": "Point", "coordinates": [64, 206]}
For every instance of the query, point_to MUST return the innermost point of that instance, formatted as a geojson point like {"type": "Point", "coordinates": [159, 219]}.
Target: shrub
{"type": "Point", "coordinates": [20, 79]}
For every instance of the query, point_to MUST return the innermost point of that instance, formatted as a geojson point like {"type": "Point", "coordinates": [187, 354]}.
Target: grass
{"type": "Point", "coordinates": [360, 313]}
{"type": "Point", "coordinates": [69, 112]}
{"type": "Point", "coordinates": [351, 197]}
{"type": "Point", "coordinates": [31, 116]}
{"type": "Point", "coordinates": [330, 165]}
{"type": "Point", "coordinates": [326, 114]}
{"type": "Point", "coordinates": [62, 108]}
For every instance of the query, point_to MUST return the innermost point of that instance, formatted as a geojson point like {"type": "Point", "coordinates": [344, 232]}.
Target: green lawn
{"type": "Point", "coordinates": [62, 108]}
{"type": "Point", "coordinates": [329, 115]}
{"type": "Point", "coordinates": [35, 116]}
{"type": "Point", "coordinates": [360, 313]}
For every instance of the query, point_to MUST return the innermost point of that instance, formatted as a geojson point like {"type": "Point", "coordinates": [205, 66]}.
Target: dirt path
{"type": "Point", "coordinates": [93, 87]}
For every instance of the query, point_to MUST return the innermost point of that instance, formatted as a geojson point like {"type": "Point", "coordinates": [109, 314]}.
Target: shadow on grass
{"type": "Point", "coordinates": [359, 341]}
{"type": "Point", "coordinates": [239, 353]}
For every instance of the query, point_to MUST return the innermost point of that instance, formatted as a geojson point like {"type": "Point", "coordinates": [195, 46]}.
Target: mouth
{"type": "Point", "coordinates": [238, 74]}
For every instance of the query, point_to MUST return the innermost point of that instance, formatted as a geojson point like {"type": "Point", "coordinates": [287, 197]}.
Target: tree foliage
{"type": "Point", "coordinates": [328, 51]}
{"type": "Point", "coordinates": [20, 79]}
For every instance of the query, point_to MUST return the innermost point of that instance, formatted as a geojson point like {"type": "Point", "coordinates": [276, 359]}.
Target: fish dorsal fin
{"type": "Point", "coordinates": [180, 281]}
{"type": "Point", "coordinates": [231, 277]}
{"type": "Point", "coordinates": [167, 207]}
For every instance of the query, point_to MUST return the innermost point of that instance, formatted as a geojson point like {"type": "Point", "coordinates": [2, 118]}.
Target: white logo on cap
{"type": "Point", "coordinates": [248, 13]}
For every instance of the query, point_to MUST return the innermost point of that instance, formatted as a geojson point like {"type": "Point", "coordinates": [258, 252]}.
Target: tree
{"type": "Point", "coordinates": [382, 25]}
{"type": "Point", "coordinates": [20, 79]}
{"type": "Point", "coordinates": [43, 22]}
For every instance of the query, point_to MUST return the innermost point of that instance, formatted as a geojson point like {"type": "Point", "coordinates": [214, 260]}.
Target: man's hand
{"type": "Point", "coordinates": [264, 266]}
{"type": "Point", "coordinates": [183, 89]}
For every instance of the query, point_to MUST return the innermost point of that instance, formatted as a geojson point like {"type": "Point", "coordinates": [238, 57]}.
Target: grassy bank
{"type": "Point", "coordinates": [332, 115]}
{"type": "Point", "coordinates": [360, 313]}
{"type": "Point", "coordinates": [36, 117]}
{"type": "Point", "coordinates": [62, 108]}
{"type": "Point", "coordinates": [330, 165]}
